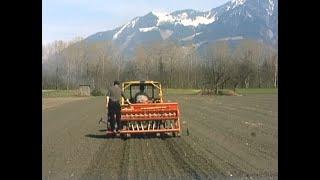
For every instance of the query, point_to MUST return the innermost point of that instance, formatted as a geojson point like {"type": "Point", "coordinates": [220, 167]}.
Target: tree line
{"type": "Point", "coordinates": [251, 64]}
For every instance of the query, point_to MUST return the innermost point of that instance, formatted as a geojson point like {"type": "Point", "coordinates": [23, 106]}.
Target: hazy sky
{"type": "Point", "coordinates": [67, 19]}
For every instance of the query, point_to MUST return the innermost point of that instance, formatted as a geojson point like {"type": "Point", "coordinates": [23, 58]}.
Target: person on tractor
{"type": "Point", "coordinates": [114, 109]}
{"type": "Point", "coordinates": [141, 96]}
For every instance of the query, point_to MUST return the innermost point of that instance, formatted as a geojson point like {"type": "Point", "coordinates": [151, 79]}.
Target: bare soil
{"type": "Point", "coordinates": [229, 136]}
{"type": "Point", "coordinates": [49, 103]}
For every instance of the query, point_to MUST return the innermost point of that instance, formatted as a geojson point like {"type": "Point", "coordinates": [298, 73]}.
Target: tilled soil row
{"type": "Point", "coordinates": [221, 133]}
{"type": "Point", "coordinates": [194, 164]}
{"type": "Point", "coordinates": [105, 162]}
{"type": "Point", "coordinates": [150, 158]}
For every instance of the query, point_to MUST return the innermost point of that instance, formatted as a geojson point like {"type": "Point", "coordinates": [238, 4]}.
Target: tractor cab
{"type": "Point", "coordinates": [142, 92]}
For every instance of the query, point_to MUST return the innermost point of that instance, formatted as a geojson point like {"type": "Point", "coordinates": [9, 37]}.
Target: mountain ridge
{"type": "Point", "coordinates": [232, 21]}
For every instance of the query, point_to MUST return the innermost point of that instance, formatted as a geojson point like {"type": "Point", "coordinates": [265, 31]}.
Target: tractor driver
{"type": "Point", "coordinates": [141, 96]}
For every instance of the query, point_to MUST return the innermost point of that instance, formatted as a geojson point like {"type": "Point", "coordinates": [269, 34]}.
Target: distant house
{"type": "Point", "coordinates": [84, 90]}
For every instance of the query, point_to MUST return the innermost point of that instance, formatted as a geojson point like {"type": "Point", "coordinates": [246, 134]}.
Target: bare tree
{"type": "Point", "coordinates": [251, 64]}
{"type": "Point", "coordinates": [218, 56]}
{"type": "Point", "coordinates": [275, 70]}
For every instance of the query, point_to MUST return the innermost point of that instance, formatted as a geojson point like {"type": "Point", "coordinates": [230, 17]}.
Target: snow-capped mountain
{"type": "Point", "coordinates": [234, 20]}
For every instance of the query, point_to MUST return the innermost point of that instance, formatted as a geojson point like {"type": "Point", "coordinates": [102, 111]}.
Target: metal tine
{"type": "Point", "coordinates": [142, 126]}
{"type": "Point", "coordinates": [171, 125]}
{"type": "Point", "coordinates": [148, 125]}
{"type": "Point", "coordinates": [137, 126]}
{"type": "Point", "coordinates": [153, 125]}
{"type": "Point", "coordinates": [132, 127]}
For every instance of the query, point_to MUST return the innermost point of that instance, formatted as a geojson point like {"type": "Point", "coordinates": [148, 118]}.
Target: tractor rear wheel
{"type": "Point", "coordinates": [176, 134]}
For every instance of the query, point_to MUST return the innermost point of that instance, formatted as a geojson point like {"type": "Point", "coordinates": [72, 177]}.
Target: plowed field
{"type": "Point", "coordinates": [228, 137]}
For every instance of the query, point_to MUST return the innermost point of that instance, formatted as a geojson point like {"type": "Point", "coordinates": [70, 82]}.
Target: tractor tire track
{"type": "Point", "coordinates": [193, 163]}
{"type": "Point", "coordinates": [104, 164]}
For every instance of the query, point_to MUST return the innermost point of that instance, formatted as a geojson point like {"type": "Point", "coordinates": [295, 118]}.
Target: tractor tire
{"type": "Point", "coordinates": [176, 134]}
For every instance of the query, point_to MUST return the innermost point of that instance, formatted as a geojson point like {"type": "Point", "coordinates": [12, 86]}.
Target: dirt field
{"type": "Point", "coordinates": [228, 137]}
{"type": "Point", "coordinates": [51, 103]}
